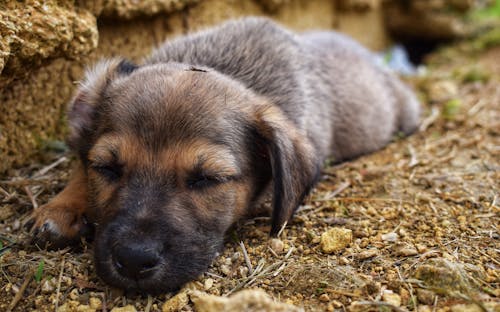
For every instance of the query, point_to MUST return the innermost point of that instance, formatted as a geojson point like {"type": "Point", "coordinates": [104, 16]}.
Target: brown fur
{"type": "Point", "coordinates": [177, 150]}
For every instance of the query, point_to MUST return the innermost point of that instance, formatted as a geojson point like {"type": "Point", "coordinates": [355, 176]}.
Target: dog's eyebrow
{"type": "Point", "coordinates": [104, 151]}
{"type": "Point", "coordinates": [217, 161]}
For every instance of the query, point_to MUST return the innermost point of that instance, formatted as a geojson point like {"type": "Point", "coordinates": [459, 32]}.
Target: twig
{"type": "Point", "coordinates": [487, 256]}
{"type": "Point", "coordinates": [409, 287]}
{"type": "Point", "coordinates": [338, 190]}
{"type": "Point", "coordinates": [282, 229]}
{"type": "Point", "coordinates": [20, 293]}
{"type": "Point", "coordinates": [148, 305]}
{"type": "Point", "coordinates": [31, 197]}
{"type": "Point", "coordinates": [214, 275]}
{"type": "Point", "coordinates": [247, 259]}
{"type": "Point", "coordinates": [59, 280]}
{"type": "Point", "coordinates": [7, 195]}
{"type": "Point", "coordinates": [260, 271]}
{"type": "Point", "coordinates": [413, 157]}
{"type": "Point", "coordinates": [281, 268]}
{"type": "Point", "coordinates": [104, 302]}
{"type": "Point", "coordinates": [363, 199]}
{"type": "Point", "coordinates": [273, 252]}
{"type": "Point", "coordinates": [476, 107]}
{"type": "Point", "coordinates": [429, 120]}
{"type": "Point", "coordinates": [46, 169]}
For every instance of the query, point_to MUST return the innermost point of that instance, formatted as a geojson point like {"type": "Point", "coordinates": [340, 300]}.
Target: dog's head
{"type": "Point", "coordinates": [174, 155]}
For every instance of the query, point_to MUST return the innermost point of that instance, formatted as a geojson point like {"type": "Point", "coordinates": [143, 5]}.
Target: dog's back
{"type": "Point", "coordinates": [326, 83]}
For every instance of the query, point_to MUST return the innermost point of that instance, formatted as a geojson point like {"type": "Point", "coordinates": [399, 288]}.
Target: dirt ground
{"type": "Point", "coordinates": [423, 213]}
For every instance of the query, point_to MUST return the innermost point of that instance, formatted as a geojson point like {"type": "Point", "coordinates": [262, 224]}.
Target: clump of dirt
{"type": "Point", "coordinates": [423, 214]}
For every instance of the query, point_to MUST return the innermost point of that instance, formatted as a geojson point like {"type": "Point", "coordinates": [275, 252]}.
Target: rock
{"type": "Point", "coordinates": [277, 245]}
{"type": "Point", "coordinates": [75, 306]}
{"type": "Point", "coordinates": [128, 9]}
{"type": "Point", "coordinates": [272, 5]}
{"type": "Point", "coordinates": [127, 308]}
{"type": "Point", "coordinates": [390, 237]}
{"type": "Point", "coordinates": [95, 303]}
{"type": "Point", "coordinates": [68, 306]}
{"type": "Point", "coordinates": [208, 283]}
{"type": "Point", "coordinates": [443, 90]}
{"type": "Point", "coordinates": [53, 29]}
{"type": "Point", "coordinates": [391, 298]}
{"type": "Point", "coordinates": [225, 269]}
{"type": "Point", "coordinates": [357, 306]}
{"type": "Point", "coordinates": [245, 300]}
{"type": "Point", "coordinates": [370, 253]}
{"type": "Point", "coordinates": [49, 286]}
{"type": "Point", "coordinates": [335, 240]}
{"type": "Point", "coordinates": [441, 273]}
{"type": "Point", "coordinates": [406, 251]}
{"type": "Point", "coordinates": [324, 298]}
{"type": "Point", "coordinates": [426, 296]}
{"type": "Point", "coordinates": [176, 303]}
{"type": "Point", "coordinates": [466, 308]}
{"type": "Point", "coordinates": [358, 5]}
{"type": "Point", "coordinates": [423, 308]}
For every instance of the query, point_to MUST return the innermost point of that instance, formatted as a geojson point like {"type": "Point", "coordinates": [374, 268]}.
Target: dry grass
{"type": "Point", "coordinates": [424, 214]}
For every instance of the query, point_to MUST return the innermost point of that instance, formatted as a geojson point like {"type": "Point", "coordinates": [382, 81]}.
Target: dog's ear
{"type": "Point", "coordinates": [83, 110]}
{"type": "Point", "coordinates": [294, 165]}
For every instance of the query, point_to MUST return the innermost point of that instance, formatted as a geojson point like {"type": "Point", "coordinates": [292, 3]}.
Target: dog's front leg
{"type": "Point", "coordinates": [62, 221]}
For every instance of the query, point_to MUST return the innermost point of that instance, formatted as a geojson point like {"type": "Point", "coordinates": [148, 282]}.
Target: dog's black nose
{"type": "Point", "coordinates": [136, 261]}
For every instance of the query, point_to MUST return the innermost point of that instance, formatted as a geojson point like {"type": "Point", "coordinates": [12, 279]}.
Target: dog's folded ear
{"type": "Point", "coordinates": [83, 112]}
{"type": "Point", "coordinates": [295, 167]}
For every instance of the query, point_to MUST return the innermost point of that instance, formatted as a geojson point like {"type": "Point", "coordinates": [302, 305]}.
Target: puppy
{"type": "Point", "coordinates": [176, 150]}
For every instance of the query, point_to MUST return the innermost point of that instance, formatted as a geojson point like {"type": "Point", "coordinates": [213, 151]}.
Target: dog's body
{"type": "Point", "coordinates": [175, 151]}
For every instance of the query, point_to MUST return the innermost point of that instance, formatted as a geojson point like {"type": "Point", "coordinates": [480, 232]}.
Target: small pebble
{"type": "Point", "coordinates": [127, 308]}
{"type": "Point", "coordinates": [277, 245]}
{"type": "Point", "coordinates": [48, 286]}
{"type": "Point", "coordinates": [95, 303]}
{"type": "Point", "coordinates": [335, 239]}
{"type": "Point", "coordinates": [16, 225]}
{"type": "Point", "coordinates": [370, 253]}
{"type": "Point", "coordinates": [73, 294]}
{"type": "Point", "coordinates": [421, 248]}
{"type": "Point", "coordinates": [176, 303]}
{"type": "Point", "coordinates": [390, 237]}
{"type": "Point", "coordinates": [324, 298]}
{"type": "Point", "coordinates": [407, 251]}
{"type": "Point", "coordinates": [243, 271]}
{"type": "Point", "coordinates": [208, 283]}
{"type": "Point", "coordinates": [225, 269]}
{"type": "Point", "coordinates": [426, 296]}
{"type": "Point", "coordinates": [392, 298]}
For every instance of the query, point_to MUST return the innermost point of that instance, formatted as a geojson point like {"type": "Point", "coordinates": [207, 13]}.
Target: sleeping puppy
{"type": "Point", "coordinates": [176, 150]}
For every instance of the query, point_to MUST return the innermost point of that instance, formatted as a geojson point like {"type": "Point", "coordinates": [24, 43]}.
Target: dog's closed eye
{"type": "Point", "coordinates": [202, 181]}
{"type": "Point", "coordinates": [111, 172]}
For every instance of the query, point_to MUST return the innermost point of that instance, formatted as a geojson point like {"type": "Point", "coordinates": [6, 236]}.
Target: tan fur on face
{"type": "Point", "coordinates": [180, 160]}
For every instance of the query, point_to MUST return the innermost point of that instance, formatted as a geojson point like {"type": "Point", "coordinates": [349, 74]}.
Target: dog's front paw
{"type": "Point", "coordinates": [57, 225]}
